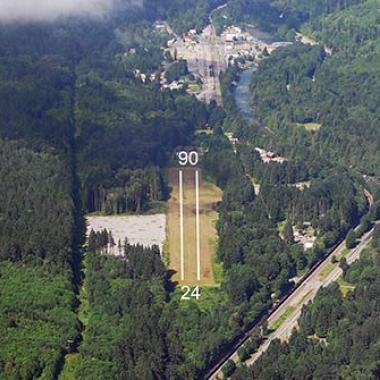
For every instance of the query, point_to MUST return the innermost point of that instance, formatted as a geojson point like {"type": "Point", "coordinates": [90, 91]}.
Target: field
{"type": "Point", "coordinates": [209, 195]}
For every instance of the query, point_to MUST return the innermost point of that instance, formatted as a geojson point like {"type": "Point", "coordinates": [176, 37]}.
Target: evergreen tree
{"type": "Point", "coordinates": [288, 233]}
{"type": "Point", "coordinates": [343, 265]}
{"type": "Point", "coordinates": [104, 238]}
{"type": "Point", "coordinates": [351, 239]}
{"type": "Point", "coordinates": [92, 241]}
{"type": "Point", "coordinates": [229, 368]}
{"type": "Point", "coordinates": [111, 239]}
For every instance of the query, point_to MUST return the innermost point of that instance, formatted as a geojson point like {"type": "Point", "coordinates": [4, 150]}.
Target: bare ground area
{"type": "Point", "coordinates": [146, 230]}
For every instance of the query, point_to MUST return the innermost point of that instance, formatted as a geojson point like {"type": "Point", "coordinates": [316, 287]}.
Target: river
{"type": "Point", "coordinates": [242, 93]}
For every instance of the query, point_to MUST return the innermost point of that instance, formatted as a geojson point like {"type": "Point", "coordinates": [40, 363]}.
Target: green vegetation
{"type": "Point", "coordinates": [305, 10]}
{"type": "Point", "coordinates": [256, 261]}
{"type": "Point", "coordinates": [310, 126]}
{"type": "Point", "coordinates": [303, 84]}
{"type": "Point", "coordinates": [127, 319]}
{"type": "Point", "coordinates": [182, 15]}
{"type": "Point", "coordinates": [345, 286]}
{"type": "Point", "coordinates": [40, 223]}
{"type": "Point", "coordinates": [278, 16]}
{"type": "Point", "coordinates": [36, 208]}
{"type": "Point", "coordinates": [37, 321]}
{"type": "Point", "coordinates": [327, 270]}
{"type": "Point", "coordinates": [351, 239]}
{"type": "Point", "coordinates": [330, 206]}
{"type": "Point", "coordinates": [287, 313]}
{"type": "Point", "coordinates": [176, 70]}
{"type": "Point", "coordinates": [259, 12]}
{"type": "Point", "coordinates": [243, 354]}
{"type": "Point", "coordinates": [86, 128]}
{"type": "Point", "coordinates": [229, 368]}
{"type": "Point", "coordinates": [288, 233]}
{"type": "Point", "coordinates": [128, 129]}
{"type": "Point", "coordinates": [217, 270]}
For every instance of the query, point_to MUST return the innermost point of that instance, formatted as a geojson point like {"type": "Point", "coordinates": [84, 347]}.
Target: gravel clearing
{"type": "Point", "coordinates": [146, 230]}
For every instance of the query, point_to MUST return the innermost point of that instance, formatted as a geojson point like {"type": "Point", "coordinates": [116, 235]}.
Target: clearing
{"type": "Point", "coordinates": [146, 230]}
{"type": "Point", "coordinates": [209, 196]}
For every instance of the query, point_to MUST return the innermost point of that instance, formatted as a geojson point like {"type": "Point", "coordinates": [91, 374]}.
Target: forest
{"type": "Point", "coordinates": [306, 10]}
{"type": "Point", "coordinates": [337, 93]}
{"type": "Point", "coordinates": [182, 15]}
{"type": "Point", "coordinates": [38, 322]}
{"type": "Point", "coordinates": [280, 17]}
{"type": "Point", "coordinates": [128, 333]}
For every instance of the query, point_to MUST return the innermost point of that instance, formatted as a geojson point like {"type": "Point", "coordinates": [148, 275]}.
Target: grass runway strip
{"type": "Point", "coordinates": [198, 242]}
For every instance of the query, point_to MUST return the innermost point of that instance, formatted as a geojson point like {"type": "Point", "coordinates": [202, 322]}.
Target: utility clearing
{"type": "Point", "coordinates": [209, 196]}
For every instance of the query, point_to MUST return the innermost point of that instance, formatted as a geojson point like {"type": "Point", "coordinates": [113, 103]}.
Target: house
{"type": "Point", "coordinates": [233, 140]}
{"type": "Point", "coordinates": [175, 86]}
{"type": "Point", "coordinates": [230, 37]}
{"type": "Point", "coordinates": [160, 25]}
{"type": "Point", "coordinates": [268, 156]}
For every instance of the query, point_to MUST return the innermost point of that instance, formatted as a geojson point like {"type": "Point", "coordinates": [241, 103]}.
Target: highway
{"type": "Point", "coordinates": [322, 276]}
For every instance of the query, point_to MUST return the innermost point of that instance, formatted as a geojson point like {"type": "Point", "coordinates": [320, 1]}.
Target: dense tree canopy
{"type": "Point", "coordinates": [37, 321]}
{"type": "Point", "coordinates": [301, 85]}
{"type": "Point", "coordinates": [36, 209]}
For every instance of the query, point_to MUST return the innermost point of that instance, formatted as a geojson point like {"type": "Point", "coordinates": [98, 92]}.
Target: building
{"type": "Point", "coordinates": [230, 37]}
{"type": "Point", "coordinates": [160, 25]}
{"type": "Point", "coordinates": [268, 156]}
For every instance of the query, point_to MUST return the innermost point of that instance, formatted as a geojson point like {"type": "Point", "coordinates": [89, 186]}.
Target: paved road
{"type": "Point", "coordinates": [321, 277]}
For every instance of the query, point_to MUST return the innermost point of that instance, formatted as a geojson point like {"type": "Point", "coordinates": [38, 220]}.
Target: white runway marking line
{"type": "Point", "coordinates": [181, 224]}
{"type": "Point", "coordinates": [198, 229]}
